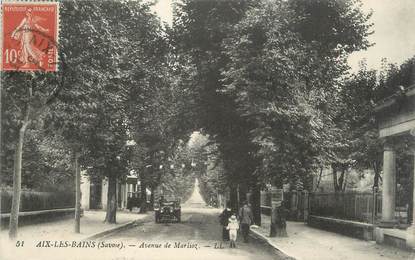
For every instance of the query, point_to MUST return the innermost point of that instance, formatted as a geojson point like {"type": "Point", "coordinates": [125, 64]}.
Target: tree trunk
{"type": "Point", "coordinates": [112, 199]}
{"type": "Point", "coordinates": [77, 195]}
{"type": "Point", "coordinates": [277, 220]}
{"type": "Point", "coordinates": [256, 204]}
{"type": "Point", "coordinates": [143, 194]}
{"type": "Point", "coordinates": [273, 225]}
{"type": "Point", "coordinates": [281, 224]}
{"type": "Point", "coordinates": [319, 178]}
{"type": "Point", "coordinates": [17, 181]}
{"type": "Point", "coordinates": [234, 198]}
{"type": "Point", "coordinates": [278, 227]}
{"type": "Point", "coordinates": [242, 194]}
{"type": "Point", "coordinates": [376, 177]}
{"type": "Point", "coordinates": [345, 175]}
{"type": "Point", "coordinates": [152, 197]}
{"type": "Point", "coordinates": [334, 173]}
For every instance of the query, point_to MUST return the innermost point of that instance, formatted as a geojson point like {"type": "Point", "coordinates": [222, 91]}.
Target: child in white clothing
{"type": "Point", "coordinates": [233, 227]}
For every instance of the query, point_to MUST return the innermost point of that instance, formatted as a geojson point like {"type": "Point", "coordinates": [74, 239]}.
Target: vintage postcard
{"type": "Point", "coordinates": [207, 129]}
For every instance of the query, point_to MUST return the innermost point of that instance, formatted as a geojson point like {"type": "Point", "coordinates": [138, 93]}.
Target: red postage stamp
{"type": "Point", "coordinates": [30, 36]}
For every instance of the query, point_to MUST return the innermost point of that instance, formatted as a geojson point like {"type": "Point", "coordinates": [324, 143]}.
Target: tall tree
{"type": "Point", "coordinates": [93, 114]}
{"type": "Point", "coordinates": [30, 95]}
{"type": "Point", "coordinates": [199, 30]}
{"type": "Point", "coordinates": [289, 85]}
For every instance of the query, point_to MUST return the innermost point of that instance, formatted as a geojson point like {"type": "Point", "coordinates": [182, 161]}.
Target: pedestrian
{"type": "Point", "coordinates": [233, 227]}
{"type": "Point", "coordinates": [246, 219]}
{"type": "Point", "coordinates": [224, 220]}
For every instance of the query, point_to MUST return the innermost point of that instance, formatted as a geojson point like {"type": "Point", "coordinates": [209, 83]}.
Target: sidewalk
{"type": "Point", "coordinates": [92, 222]}
{"type": "Point", "coordinates": [307, 243]}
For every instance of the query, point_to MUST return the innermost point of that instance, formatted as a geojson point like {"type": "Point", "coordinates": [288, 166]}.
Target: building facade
{"type": "Point", "coordinates": [396, 117]}
{"type": "Point", "coordinates": [94, 192]}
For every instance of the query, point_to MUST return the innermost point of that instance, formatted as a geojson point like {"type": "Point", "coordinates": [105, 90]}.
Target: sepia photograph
{"type": "Point", "coordinates": [207, 129]}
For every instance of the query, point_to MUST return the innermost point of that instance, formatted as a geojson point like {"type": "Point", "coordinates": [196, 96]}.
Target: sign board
{"type": "Point", "coordinates": [277, 196]}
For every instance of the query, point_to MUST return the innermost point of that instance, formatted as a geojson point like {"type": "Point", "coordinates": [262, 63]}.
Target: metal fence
{"type": "Point", "coordinates": [354, 206]}
{"type": "Point", "coordinates": [363, 207]}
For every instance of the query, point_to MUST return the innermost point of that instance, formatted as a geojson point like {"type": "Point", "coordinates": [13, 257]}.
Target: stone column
{"type": "Point", "coordinates": [410, 236]}
{"type": "Point", "coordinates": [85, 190]}
{"type": "Point", "coordinates": [305, 206]}
{"type": "Point", "coordinates": [388, 186]}
{"type": "Point", "coordinates": [104, 193]}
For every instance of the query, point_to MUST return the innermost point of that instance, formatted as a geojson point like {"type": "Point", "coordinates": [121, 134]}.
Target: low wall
{"type": "Point", "coordinates": [359, 230]}
{"type": "Point", "coordinates": [399, 238]}
{"type": "Point", "coordinates": [33, 217]}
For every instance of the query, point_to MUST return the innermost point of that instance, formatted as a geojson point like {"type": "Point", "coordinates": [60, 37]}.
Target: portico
{"type": "Point", "coordinates": [396, 117]}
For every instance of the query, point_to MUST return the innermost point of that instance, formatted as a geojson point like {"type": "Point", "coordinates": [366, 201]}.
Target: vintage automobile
{"type": "Point", "coordinates": [167, 211]}
{"type": "Point", "coordinates": [133, 200]}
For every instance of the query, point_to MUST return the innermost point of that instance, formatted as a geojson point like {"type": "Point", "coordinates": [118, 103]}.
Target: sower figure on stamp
{"type": "Point", "coordinates": [233, 227]}
{"type": "Point", "coordinates": [24, 33]}
{"type": "Point", "coordinates": [224, 220]}
{"type": "Point", "coordinates": [246, 218]}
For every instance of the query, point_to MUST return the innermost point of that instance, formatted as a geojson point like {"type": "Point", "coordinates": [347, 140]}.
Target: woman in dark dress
{"type": "Point", "coordinates": [224, 220]}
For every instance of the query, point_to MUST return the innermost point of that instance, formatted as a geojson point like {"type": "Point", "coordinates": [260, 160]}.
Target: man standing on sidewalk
{"type": "Point", "coordinates": [246, 219]}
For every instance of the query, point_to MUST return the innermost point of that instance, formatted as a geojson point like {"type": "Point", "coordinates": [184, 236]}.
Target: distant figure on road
{"type": "Point", "coordinates": [233, 227]}
{"type": "Point", "coordinates": [224, 220]}
{"type": "Point", "coordinates": [247, 219]}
